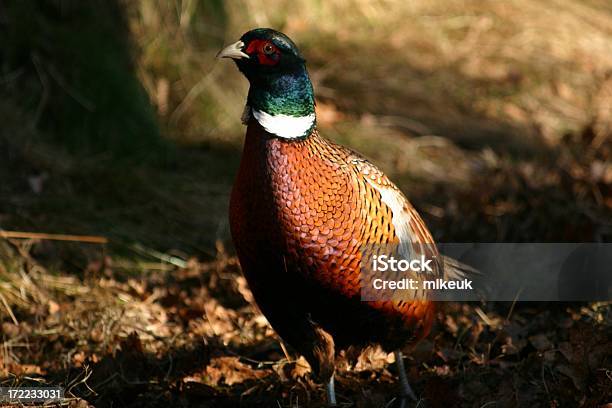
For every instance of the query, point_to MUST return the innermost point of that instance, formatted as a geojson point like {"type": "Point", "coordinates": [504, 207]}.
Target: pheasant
{"type": "Point", "coordinates": [301, 209]}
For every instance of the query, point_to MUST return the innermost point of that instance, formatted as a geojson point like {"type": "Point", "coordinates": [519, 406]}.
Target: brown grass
{"type": "Point", "coordinates": [541, 66]}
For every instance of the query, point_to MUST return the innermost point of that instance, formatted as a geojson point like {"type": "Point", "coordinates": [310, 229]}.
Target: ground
{"type": "Point", "coordinates": [193, 337]}
{"type": "Point", "coordinates": [493, 118]}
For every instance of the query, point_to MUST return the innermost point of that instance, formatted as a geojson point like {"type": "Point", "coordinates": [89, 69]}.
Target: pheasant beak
{"type": "Point", "coordinates": [233, 51]}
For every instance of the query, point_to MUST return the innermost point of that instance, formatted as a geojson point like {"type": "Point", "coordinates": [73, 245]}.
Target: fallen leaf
{"type": "Point", "coordinates": [230, 370]}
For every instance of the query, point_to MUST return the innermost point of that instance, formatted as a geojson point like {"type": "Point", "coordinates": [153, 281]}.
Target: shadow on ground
{"type": "Point", "coordinates": [161, 316]}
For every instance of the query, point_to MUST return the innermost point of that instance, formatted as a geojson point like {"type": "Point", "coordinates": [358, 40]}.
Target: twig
{"type": "Point", "coordinates": [251, 360]}
{"type": "Point", "coordinates": [8, 309]}
{"type": "Point", "coordinates": [88, 372]}
{"type": "Point", "coordinates": [513, 304]}
{"type": "Point", "coordinates": [173, 260]}
{"type": "Point", "coordinates": [285, 351]}
{"type": "Point", "coordinates": [92, 239]}
{"type": "Point", "coordinates": [106, 381]}
{"type": "Point", "coordinates": [484, 316]}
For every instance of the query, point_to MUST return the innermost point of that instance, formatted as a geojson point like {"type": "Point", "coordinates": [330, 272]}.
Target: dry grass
{"type": "Point", "coordinates": [540, 66]}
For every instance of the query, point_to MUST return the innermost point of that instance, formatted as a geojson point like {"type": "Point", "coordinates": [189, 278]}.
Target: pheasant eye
{"type": "Point", "coordinates": [268, 49]}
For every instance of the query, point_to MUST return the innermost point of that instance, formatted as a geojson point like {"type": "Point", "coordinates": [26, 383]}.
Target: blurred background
{"type": "Point", "coordinates": [495, 119]}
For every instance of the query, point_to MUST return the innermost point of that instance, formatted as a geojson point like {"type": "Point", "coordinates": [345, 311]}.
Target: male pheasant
{"type": "Point", "coordinates": [302, 208]}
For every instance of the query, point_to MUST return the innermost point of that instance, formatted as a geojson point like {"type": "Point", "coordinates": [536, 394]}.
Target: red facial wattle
{"type": "Point", "coordinates": [258, 47]}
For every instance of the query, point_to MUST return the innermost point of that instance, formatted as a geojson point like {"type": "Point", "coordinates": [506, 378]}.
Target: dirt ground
{"type": "Point", "coordinates": [494, 118]}
{"type": "Point", "coordinates": [192, 337]}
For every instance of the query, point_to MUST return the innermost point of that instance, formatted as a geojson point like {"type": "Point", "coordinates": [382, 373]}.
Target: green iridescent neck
{"type": "Point", "coordinates": [288, 94]}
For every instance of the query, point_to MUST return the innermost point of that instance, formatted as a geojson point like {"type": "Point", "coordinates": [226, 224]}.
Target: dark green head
{"type": "Point", "coordinates": [270, 53]}
{"type": "Point", "coordinates": [276, 71]}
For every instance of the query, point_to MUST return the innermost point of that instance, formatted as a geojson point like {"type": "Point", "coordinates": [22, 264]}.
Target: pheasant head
{"type": "Point", "coordinates": [281, 97]}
